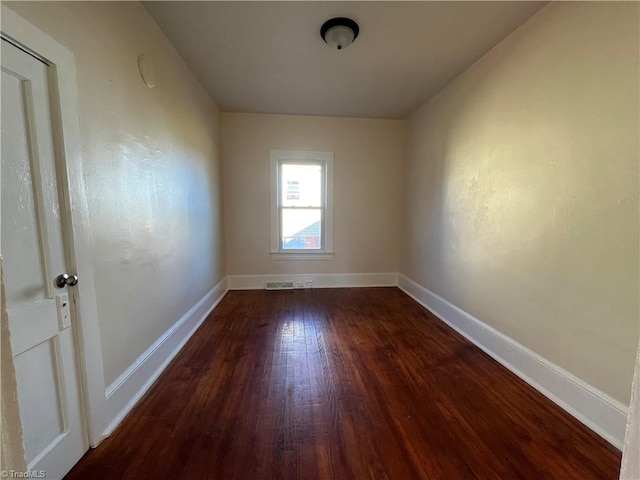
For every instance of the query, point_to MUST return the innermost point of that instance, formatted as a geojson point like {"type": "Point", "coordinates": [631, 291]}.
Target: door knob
{"type": "Point", "coordinates": [66, 280]}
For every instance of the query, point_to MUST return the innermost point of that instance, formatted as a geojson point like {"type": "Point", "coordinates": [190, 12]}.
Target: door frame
{"type": "Point", "coordinates": [74, 210]}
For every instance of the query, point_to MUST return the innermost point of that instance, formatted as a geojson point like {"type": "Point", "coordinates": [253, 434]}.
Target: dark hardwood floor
{"type": "Point", "coordinates": [343, 384]}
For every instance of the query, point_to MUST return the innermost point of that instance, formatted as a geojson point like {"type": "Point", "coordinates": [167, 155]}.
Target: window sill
{"type": "Point", "coordinates": [296, 256]}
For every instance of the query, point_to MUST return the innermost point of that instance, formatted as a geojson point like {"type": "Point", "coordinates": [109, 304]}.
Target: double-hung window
{"type": "Point", "coordinates": [301, 205]}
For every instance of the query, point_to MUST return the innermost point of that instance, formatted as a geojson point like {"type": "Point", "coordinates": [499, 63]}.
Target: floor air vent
{"type": "Point", "coordinates": [279, 285]}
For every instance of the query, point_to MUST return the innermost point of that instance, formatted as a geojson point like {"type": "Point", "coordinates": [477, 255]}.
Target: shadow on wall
{"type": "Point", "coordinates": [520, 193]}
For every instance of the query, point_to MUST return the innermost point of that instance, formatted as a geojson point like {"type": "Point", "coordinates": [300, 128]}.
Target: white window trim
{"type": "Point", "coordinates": [277, 253]}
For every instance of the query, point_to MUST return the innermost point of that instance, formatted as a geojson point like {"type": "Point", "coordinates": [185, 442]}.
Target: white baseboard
{"type": "Point", "coordinates": [332, 280]}
{"type": "Point", "coordinates": [133, 383]}
{"type": "Point", "coordinates": [595, 409]}
{"type": "Point", "coordinates": [601, 413]}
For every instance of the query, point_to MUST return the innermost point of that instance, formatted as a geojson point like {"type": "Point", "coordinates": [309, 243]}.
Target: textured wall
{"type": "Point", "coordinates": [521, 190]}
{"type": "Point", "coordinates": [367, 190]}
{"type": "Point", "coordinates": [152, 171]}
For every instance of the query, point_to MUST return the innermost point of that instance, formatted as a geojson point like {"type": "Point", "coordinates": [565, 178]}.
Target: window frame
{"type": "Point", "coordinates": [299, 157]}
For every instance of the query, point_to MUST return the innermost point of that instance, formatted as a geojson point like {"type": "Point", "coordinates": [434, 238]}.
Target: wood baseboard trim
{"type": "Point", "coordinates": [598, 411]}
{"type": "Point", "coordinates": [133, 383]}
{"type": "Point", "coordinates": [337, 280]}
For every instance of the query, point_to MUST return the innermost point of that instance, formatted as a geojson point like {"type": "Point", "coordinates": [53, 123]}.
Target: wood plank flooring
{"type": "Point", "coordinates": [341, 384]}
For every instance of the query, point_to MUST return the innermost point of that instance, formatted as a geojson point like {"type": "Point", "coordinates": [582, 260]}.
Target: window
{"type": "Point", "coordinates": [301, 206]}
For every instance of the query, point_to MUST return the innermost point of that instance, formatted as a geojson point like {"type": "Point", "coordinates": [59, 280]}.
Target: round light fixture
{"type": "Point", "coordinates": [339, 32]}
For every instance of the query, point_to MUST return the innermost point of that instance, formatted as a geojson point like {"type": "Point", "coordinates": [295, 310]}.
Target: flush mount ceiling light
{"type": "Point", "coordinates": [339, 32]}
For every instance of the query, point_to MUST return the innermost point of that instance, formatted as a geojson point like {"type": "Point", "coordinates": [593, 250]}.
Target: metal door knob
{"type": "Point", "coordinates": [66, 280]}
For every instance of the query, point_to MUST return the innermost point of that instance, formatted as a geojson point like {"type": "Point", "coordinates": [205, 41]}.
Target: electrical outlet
{"type": "Point", "coordinates": [309, 283]}
{"type": "Point", "coordinates": [64, 312]}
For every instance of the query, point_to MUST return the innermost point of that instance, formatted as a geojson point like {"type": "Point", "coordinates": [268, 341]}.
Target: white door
{"type": "Point", "coordinates": [33, 252]}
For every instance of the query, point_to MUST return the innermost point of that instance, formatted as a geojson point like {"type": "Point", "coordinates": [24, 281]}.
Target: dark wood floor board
{"type": "Point", "coordinates": [342, 384]}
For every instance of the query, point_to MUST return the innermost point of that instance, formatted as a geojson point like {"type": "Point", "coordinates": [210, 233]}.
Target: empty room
{"type": "Point", "coordinates": [320, 240]}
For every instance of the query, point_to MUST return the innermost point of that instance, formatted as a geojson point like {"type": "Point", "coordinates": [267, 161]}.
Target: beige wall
{"type": "Point", "coordinates": [152, 172]}
{"type": "Point", "coordinates": [367, 190]}
{"type": "Point", "coordinates": [521, 190]}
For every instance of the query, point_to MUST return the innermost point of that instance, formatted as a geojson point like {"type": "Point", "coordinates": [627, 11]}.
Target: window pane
{"type": "Point", "coordinates": [301, 185]}
{"type": "Point", "coordinates": [301, 229]}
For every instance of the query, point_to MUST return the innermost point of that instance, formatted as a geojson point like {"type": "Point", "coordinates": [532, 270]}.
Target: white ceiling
{"type": "Point", "coordinates": [268, 56]}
